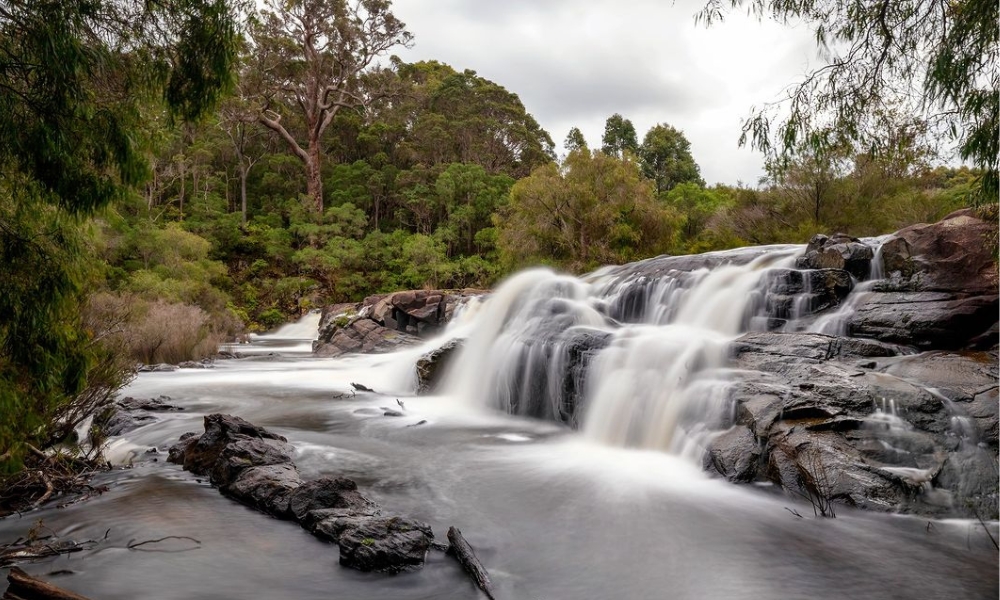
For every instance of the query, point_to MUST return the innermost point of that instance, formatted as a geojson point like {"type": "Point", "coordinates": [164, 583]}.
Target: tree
{"type": "Point", "coordinates": [594, 209]}
{"type": "Point", "coordinates": [666, 158]}
{"type": "Point", "coordinates": [78, 82]}
{"type": "Point", "coordinates": [936, 60]}
{"type": "Point", "coordinates": [313, 55]}
{"type": "Point", "coordinates": [619, 137]}
{"type": "Point", "coordinates": [575, 142]}
{"type": "Point", "coordinates": [238, 120]}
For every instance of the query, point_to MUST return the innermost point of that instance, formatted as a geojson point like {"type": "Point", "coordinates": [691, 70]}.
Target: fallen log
{"type": "Point", "coordinates": [467, 558]}
{"type": "Point", "coordinates": [25, 587]}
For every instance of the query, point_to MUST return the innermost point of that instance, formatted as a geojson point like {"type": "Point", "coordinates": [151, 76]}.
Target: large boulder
{"type": "Point", "coordinates": [253, 466]}
{"type": "Point", "coordinates": [385, 544]}
{"type": "Point", "coordinates": [940, 289]}
{"type": "Point", "coordinates": [860, 422]}
{"type": "Point", "coordinates": [387, 322]}
{"type": "Point", "coordinates": [840, 252]}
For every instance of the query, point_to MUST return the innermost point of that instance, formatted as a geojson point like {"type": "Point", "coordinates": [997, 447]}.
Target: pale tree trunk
{"type": "Point", "coordinates": [243, 192]}
{"type": "Point", "coordinates": [314, 184]}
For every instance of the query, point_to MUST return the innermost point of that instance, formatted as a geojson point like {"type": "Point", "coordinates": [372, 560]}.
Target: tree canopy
{"type": "Point", "coordinates": [666, 158]}
{"type": "Point", "coordinates": [925, 57]}
{"type": "Point", "coordinates": [79, 80]}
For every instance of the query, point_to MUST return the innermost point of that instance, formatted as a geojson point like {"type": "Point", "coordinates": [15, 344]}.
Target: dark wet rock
{"type": "Point", "coordinates": [392, 413]}
{"type": "Point", "coordinates": [122, 422]}
{"type": "Point", "coordinates": [158, 404]}
{"type": "Point", "coordinates": [386, 322]}
{"type": "Point", "coordinates": [789, 293]}
{"type": "Point", "coordinates": [876, 438]}
{"type": "Point", "coordinates": [201, 456]}
{"type": "Point", "coordinates": [253, 466]}
{"type": "Point", "coordinates": [971, 476]}
{"type": "Point", "coordinates": [951, 255]}
{"type": "Point", "coordinates": [246, 452]}
{"type": "Point", "coordinates": [268, 488]}
{"type": "Point", "coordinates": [735, 454]}
{"type": "Point", "coordinates": [385, 544]}
{"type": "Point", "coordinates": [176, 452]}
{"type": "Point", "coordinates": [432, 365]}
{"type": "Point", "coordinates": [361, 335]}
{"type": "Point", "coordinates": [924, 319]}
{"type": "Point", "coordinates": [327, 492]}
{"type": "Point", "coordinates": [158, 368]}
{"type": "Point", "coordinates": [196, 364]}
{"type": "Point", "coordinates": [826, 469]}
{"type": "Point", "coordinates": [839, 252]}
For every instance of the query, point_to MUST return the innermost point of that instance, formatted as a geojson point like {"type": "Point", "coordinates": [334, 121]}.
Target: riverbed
{"type": "Point", "coordinates": [551, 514]}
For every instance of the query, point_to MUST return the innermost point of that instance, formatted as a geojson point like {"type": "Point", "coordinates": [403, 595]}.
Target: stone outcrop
{"type": "Point", "coordinates": [387, 322]}
{"type": "Point", "coordinates": [940, 289]}
{"type": "Point", "coordinates": [840, 252]}
{"type": "Point", "coordinates": [846, 420]}
{"type": "Point", "coordinates": [254, 466]}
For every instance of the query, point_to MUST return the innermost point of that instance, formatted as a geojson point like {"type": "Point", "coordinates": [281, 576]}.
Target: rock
{"type": "Point", "coordinates": [176, 452]}
{"type": "Point", "coordinates": [838, 252]}
{"type": "Point", "coordinates": [362, 335]}
{"type": "Point", "coordinates": [245, 452]}
{"type": "Point", "coordinates": [158, 368]}
{"type": "Point", "coordinates": [386, 322]}
{"type": "Point", "coordinates": [876, 439]}
{"type": "Point", "coordinates": [432, 365]}
{"type": "Point", "coordinates": [327, 492]}
{"type": "Point", "coordinates": [194, 364]}
{"type": "Point", "coordinates": [268, 488]}
{"type": "Point", "coordinates": [385, 544]}
{"type": "Point", "coordinates": [948, 256]}
{"type": "Point", "coordinates": [734, 454]}
{"type": "Point", "coordinates": [158, 404]}
{"type": "Point", "coordinates": [924, 319]}
{"type": "Point", "coordinates": [121, 422]}
{"type": "Point", "coordinates": [201, 455]}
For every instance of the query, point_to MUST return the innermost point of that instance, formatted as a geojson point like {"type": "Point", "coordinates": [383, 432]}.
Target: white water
{"type": "Point", "coordinates": [653, 384]}
{"type": "Point", "coordinates": [306, 328]}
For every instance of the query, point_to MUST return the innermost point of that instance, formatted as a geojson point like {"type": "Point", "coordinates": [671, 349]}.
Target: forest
{"type": "Point", "coordinates": [162, 194]}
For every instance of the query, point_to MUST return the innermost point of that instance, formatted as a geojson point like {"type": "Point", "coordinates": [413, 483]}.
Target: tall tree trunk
{"type": "Point", "coordinates": [243, 193]}
{"type": "Point", "coordinates": [314, 184]}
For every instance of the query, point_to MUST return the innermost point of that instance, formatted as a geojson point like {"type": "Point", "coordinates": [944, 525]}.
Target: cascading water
{"type": "Point", "coordinates": [555, 347]}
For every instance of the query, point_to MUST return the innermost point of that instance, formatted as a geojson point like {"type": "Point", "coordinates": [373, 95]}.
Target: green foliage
{"type": "Point", "coordinates": [934, 60]}
{"type": "Point", "coordinates": [78, 81]}
{"type": "Point", "coordinates": [619, 137]}
{"type": "Point", "coordinates": [666, 158]}
{"type": "Point", "coordinates": [575, 142]}
{"type": "Point", "coordinates": [595, 209]}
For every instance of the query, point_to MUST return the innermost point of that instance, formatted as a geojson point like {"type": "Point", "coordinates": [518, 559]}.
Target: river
{"type": "Point", "coordinates": [553, 513]}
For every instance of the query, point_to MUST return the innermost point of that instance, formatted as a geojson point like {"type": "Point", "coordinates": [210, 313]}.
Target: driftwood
{"type": "Point", "coordinates": [467, 558]}
{"type": "Point", "coordinates": [25, 587]}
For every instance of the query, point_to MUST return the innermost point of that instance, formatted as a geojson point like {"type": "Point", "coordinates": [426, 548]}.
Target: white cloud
{"type": "Point", "coordinates": [574, 63]}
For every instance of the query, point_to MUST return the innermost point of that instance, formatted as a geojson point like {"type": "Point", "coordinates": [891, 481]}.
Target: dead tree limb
{"type": "Point", "coordinates": [25, 587]}
{"type": "Point", "coordinates": [467, 558]}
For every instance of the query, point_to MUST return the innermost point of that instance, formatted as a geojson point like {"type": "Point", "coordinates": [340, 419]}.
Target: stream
{"type": "Point", "coordinates": [552, 513]}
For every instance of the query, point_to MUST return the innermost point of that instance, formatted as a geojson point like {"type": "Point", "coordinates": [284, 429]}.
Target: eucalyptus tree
{"type": "Point", "coordinates": [575, 141]}
{"type": "Point", "coordinates": [312, 57]}
{"type": "Point", "coordinates": [79, 81]}
{"type": "Point", "coordinates": [619, 137]}
{"type": "Point", "coordinates": [666, 158]}
{"type": "Point", "coordinates": [935, 59]}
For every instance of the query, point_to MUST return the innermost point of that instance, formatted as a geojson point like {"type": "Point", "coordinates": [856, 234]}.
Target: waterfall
{"type": "Point", "coordinates": [306, 328]}
{"type": "Point", "coordinates": [632, 360]}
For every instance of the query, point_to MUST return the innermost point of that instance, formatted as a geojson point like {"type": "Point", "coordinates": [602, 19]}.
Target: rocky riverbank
{"type": "Point", "coordinates": [869, 376]}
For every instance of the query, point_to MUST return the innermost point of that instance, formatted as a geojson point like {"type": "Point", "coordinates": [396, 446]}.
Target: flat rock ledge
{"type": "Point", "coordinates": [387, 322]}
{"type": "Point", "coordinates": [254, 467]}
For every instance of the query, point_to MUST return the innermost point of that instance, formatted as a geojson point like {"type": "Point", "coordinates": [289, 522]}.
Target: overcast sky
{"type": "Point", "coordinates": [577, 62]}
